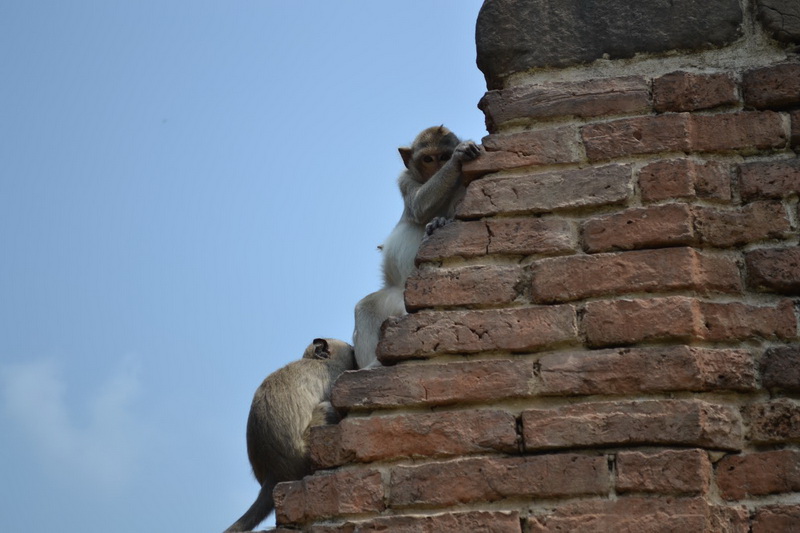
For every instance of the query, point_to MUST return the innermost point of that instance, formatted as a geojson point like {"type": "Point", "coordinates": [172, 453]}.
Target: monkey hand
{"type": "Point", "coordinates": [467, 151]}
{"type": "Point", "coordinates": [435, 224]}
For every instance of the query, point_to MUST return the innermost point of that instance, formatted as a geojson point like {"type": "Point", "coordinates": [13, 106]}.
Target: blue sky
{"type": "Point", "coordinates": [189, 193]}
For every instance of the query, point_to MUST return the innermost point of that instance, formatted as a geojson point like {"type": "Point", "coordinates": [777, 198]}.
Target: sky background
{"type": "Point", "coordinates": [190, 192]}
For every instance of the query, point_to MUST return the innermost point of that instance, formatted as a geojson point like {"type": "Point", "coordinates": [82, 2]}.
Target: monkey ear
{"type": "Point", "coordinates": [406, 154]}
{"type": "Point", "coordinates": [321, 350]}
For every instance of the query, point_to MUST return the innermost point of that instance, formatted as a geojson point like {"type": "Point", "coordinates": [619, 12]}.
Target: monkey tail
{"type": "Point", "coordinates": [257, 512]}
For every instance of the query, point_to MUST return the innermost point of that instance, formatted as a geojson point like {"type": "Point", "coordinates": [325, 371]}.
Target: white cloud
{"type": "Point", "coordinates": [100, 446]}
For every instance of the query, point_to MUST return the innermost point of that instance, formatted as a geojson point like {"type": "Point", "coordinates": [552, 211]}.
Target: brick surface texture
{"type": "Point", "coordinates": [605, 338]}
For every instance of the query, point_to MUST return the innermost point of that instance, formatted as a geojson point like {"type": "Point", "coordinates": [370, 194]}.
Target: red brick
{"type": "Point", "coordinates": [441, 434]}
{"type": "Point", "coordinates": [324, 447]}
{"type": "Point", "coordinates": [518, 236]}
{"type": "Point", "coordinates": [462, 286]}
{"type": "Point", "coordinates": [770, 179]}
{"type": "Point", "coordinates": [772, 87]}
{"type": "Point", "coordinates": [490, 479]}
{"type": "Point", "coordinates": [620, 322]}
{"type": "Point", "coordinates": [777, 519]}
{"type": "Point", "coordinates": [745, 131]}
{"type": "Point", "coordinates": [663, 270]}
{"type": "Point", "coordinates": [530, 236]}
{"type": "Point", "coordinates": [780, 368]}
{"type": "Point", "coordinates": [632, 136]}
{"type": "Point", "coordinates": [663, 472]}
{"type": "Point", "coordinates": [547, 146]}
{"type": "Point", "coordinates": [625, 423]}
{"type": "Point", "coordinates": [753, 222]}
{"type": "Point", "coordinates": [739, 321]}
{"type": "Point", "coordinates": [329, 494]}
{"type": "Point", "coordinates": [628, 321]}
{"type": "Point", "coordinates": [773, 422]}
{"type": "Point", "coordinates": [547, 191]}
{"type": "Point", "coordinates": [592, 98]}
{"type": "Point", "coordinates": [434, 384]}
{"type": "Point", "coordinates": [648, 227]}
{"type": "Point", "coordinates": [643, 370]}
{"type": "Point", "coordinates": [757, 474]}
{"type": "Point", "coordinates": [639, 515]}
{"type": "Point", "coordinates": [684, 91]}
{"type": "Point", "coordinates": [685, 179]}
{"type": "Point", "coordinates": [427, 333]}
{"type": "Point", "coordinates": [774, 269]}
{"type": "Point", "coordinates": [483, 521]}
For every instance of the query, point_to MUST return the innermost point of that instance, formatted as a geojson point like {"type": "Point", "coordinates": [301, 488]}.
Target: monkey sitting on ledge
{"type": "Point", "coordinates": [431, 185]}
{"type": "Point", "coordinates": [287, 404]}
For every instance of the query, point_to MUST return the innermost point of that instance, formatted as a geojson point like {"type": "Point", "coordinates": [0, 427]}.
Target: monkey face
{"type": "Point", "coordinates": [429, 162]}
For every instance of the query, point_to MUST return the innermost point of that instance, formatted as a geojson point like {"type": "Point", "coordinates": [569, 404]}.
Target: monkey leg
{"type": "Point", "coordinates": [370, 313]}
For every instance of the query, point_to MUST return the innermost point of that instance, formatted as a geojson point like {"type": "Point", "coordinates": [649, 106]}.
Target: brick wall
{"type": "Point", "coordinates": [606, 339]}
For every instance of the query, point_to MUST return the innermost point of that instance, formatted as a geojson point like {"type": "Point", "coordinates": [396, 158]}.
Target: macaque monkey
{"type": "Point", "coordinates": [431, 186]}
{"type": "Point", "coordinates": [289, 402]}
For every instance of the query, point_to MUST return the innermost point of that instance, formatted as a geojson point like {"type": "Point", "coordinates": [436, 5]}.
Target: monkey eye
{"type": "Point", "coordinates": [427, 159]}
{"type": "Point", "coordinates": [444, 157]}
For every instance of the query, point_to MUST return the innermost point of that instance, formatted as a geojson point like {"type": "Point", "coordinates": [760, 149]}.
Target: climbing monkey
{"type": "Point", "coordinates": [287, 404]}
{"type": "Point", "coordinates": [431, 186]}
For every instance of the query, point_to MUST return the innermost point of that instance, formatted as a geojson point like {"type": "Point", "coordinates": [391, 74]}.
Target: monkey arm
{"type": "Point", "coordinates": [426, 201]}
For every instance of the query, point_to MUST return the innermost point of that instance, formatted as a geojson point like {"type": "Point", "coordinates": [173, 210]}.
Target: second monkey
{"type": "Point", "coordinates": [431, 186]}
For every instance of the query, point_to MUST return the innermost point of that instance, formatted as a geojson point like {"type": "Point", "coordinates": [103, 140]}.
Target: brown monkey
{"type": "Point", "coordinates": [431, 186]}
{"type": "Point", "coordinates": [290, 401]}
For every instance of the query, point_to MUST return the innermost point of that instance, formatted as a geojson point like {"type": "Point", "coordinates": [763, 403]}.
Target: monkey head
{"type": "Point", "coordinates": [432, 148]}
{"type": "Point", "coordinates": [338, 352]}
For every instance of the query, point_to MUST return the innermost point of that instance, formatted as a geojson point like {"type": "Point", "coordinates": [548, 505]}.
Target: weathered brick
{"type": "Point", "coordinates": [641, 135]}
{"type": "Point", "coordinates": [639, 515]}
{"type": "Point", "coordinates": [648, 227]}
{"type": "Point", "coordinates": [758, 474]}
{"type": "Point", "coordinates": [776, 519]}
{"type": "Point", "coordinates": [663, 270]}
{"type": "Point", "coordinates": [607, 372]}
{"type": "Point", "coordinates": [547, 191]}
{"type": "Point", "coordinates": [518, 236]}
{"type": "Point", "coordinates": [772, 87]}
{"type": "Point", "coordinates": [739, 321]}
{"type": "Point", "coordinates": [490, 479]}
{"type": "Point", "coordinates": [548, 146]}
{"type": "Point", "coordinates": [780, 368]}
{"type": "Point", "coordinates": [592, 98]}
{"type": "Point", "coordinates": [795, 121]}
{"type": "Point", "coordinates": [530, 236]}
{"type": "Point", "coordinates": [441, 434]}
{"type": "Point", "coordinates": [483, 521]}
{"type": "Point", "coordinates": [325, 449]}
{"type": "Point", "coordinates": [628, 321]}
{"type": "Point", "coordinates": [428, 333]}
{"type": "Point", "coordinates": [753, 222]}
{"type": "Point", "coordinates": [434, 384]}
{"type": "Point", "coordinates": [624, 423]}
{"type": "Point", "coordinates": [329, 494]}
{"type": "Point", "coordinates": [685, 178]}
{"type": "Point", "coordinates": [643, 370]}
{"type": "Point", "coordinates": [685, 91]}
{"type": "Point", "coordinates": [770, 179]}
{"type": "Point", "coordinates": [664, 472]}
{"type": "Point", "coordinates": [744, 131]}
{"type": "Point", "coordinates": [773, 422]}
{"type": "Point", "coordinates": [462, 286]}
{"type": "Point", "coordinates": [774, 269]}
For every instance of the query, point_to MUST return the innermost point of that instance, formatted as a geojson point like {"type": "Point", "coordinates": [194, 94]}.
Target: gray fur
{"type": "Point", "coordinates": [289, 402]}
